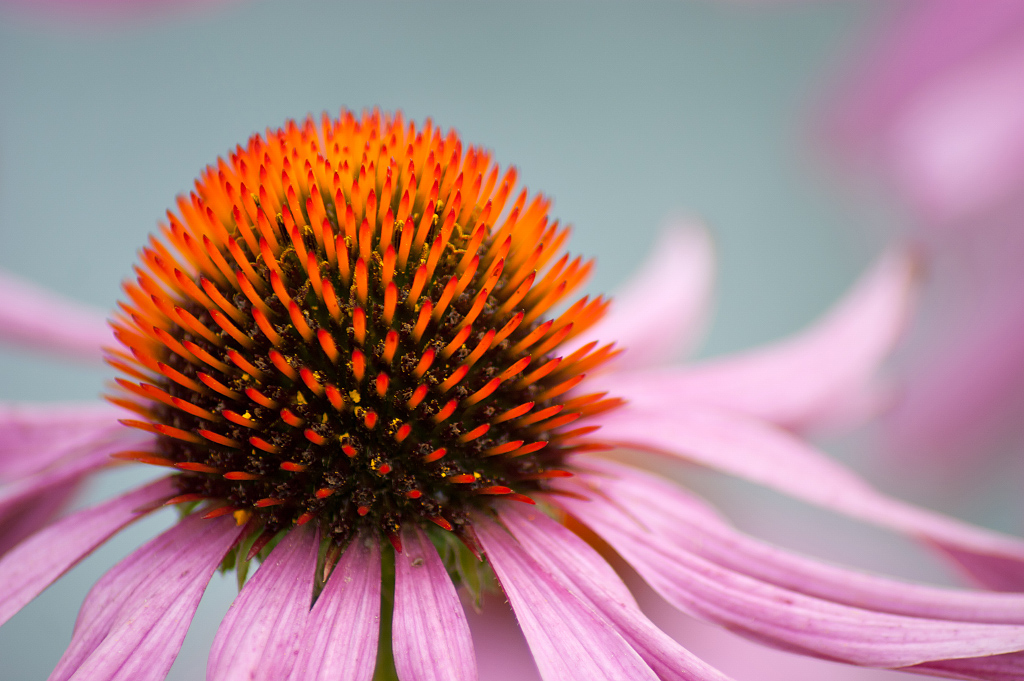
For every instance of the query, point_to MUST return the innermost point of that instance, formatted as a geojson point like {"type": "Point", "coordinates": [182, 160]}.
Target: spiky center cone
{"type": "Point", "coordinates": [347, 325]}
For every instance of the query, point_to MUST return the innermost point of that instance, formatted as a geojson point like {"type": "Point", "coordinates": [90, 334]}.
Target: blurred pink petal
{"type": "Point", "coordinates": [821, 376]}
{"type": "Point", "coordinates": [34, 436]}
{"type": "Point", "coordinates": [22, 501]}
{"type": "Point", "coordinates": [40, 320]}
{"type": "Point", "coordinates": [660, 313]}
{"type": "Point", "coordinates": [965, 385]}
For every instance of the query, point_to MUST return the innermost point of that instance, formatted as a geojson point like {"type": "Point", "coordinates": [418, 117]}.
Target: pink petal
{"type": "Point", "coordinates": [259, 637]}
{"type": "Point", "coordinates": [741, 446]}
{"type": "Point", "coordinates": [38, 562]}
{"type": "Point", "coordinates": [660, 313]}
{"type": "Point", "coordinates": [34, 436]}
{"type": "Point", "coordinates": [820, 376]}
{"type": "Point", "coordinates": [42, 320]}
{"type": "Point", "coordinates": [340, 639]}
{"type": "Point", "coordinates": [682, 520]}
{"type": "Point", "coordinates": [25, 515]}
{"type": "Point", "coordinates": [29, 503]}
{"type": "Point", "coordinates": [134, 619]}
{"type": "Point", "coordinates": [785, 618]}
{"type": "Point", "coordinates": [568, 638]}
{"type": "Point", "coordinates": [429, 633]}
{"type": "Point", "coordinates": [996, 667]}
{"type": "Point", "coordinates": [580, 569]}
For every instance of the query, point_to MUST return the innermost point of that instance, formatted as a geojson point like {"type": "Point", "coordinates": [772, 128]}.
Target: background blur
{"type": "Point", "coordinates": [625, 114]}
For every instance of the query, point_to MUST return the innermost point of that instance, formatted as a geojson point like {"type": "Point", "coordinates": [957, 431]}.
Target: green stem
{"type": "Point", "coordinates": [385, 670]}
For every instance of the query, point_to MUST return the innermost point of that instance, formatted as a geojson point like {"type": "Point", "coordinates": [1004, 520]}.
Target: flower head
{"type": "Point", "coordinates": [344, 347]}
{"type": "Point", "coordinates": [339, 329]}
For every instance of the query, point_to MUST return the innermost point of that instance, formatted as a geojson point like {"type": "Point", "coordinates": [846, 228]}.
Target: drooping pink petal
{"type": "Point", "coordinates": [340, 639]}
{"type": "Point", "coordinates": [660, 313]}
{"type": "Point", "coordinates": [259, 637]}
{"type": "Point", "coordinates": [582, 571]}
{"type": "Point", "coordinates": [690, 525]}
{"type": "Point", "coordinates": [39, 561]}
{"type": "Point", "coordinates": [34, 436]}
{"type": "Point", "coordinates": [29, 503]}
{"type": "Point", "coordinates": [41, 320]}
{"type": "Point", "coordinates": [568, 638]}
{"type": "Point", "coordinates": [134, 619]}
{"type": "Point", "coordinates": [821, 376]}
{"type": "Point", "coordinates": [992, 668]}
{"type": "Point", "coordinates": [429, 633]}
{"type": "Point", "coordinates": [785, 618]}
{"type": "Point", "coordinates": [738, 445]}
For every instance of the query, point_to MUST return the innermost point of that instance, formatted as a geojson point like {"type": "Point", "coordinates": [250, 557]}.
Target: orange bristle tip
{"type": "Point", "coordinates": [435, 455]}
{"type": "Point", "coordinates": [242, 475]}
{"type": "Point", "coordinates": [196, 467]}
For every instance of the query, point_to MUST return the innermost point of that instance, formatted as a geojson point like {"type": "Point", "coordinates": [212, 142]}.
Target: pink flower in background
{"type": "Point", "coordinates": [118, 11]}
{"type": "Point", "coordinates": [936, 107]}
{"type": "Point", "coordinates": [938, 102]}
{"type": "Point", "coordinates": [314, 609]}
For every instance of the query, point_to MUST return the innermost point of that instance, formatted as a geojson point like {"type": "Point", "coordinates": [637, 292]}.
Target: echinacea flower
{"type": "Point", "coordinates": [935, 106]}
{"type": "Point", "coordinates": [342, 347]}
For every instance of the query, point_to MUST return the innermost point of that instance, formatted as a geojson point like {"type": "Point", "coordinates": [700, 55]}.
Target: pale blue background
{"type": "Point", "coordinates": [625, 114]}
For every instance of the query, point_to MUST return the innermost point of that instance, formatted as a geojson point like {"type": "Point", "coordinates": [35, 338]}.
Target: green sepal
{"type": "Point", "coordinates": [241, 561]}
{"type": "Point", "coordinates": [186, 508]}
{"type": "Point", "coordinates": [465, 570]}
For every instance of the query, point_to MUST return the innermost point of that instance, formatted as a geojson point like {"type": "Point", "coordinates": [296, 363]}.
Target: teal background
{"type": "Point", "coordinates": [626, 114]}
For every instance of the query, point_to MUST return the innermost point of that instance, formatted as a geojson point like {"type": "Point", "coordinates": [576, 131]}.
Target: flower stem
{"type": "Point", "coordinates": [385, 670]}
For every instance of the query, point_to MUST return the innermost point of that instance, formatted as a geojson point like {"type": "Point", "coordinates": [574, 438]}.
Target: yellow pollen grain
{"type": "Point", "coordinates": [355, 396]}
{"type": "Point", "coordinates": [241, 517]}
